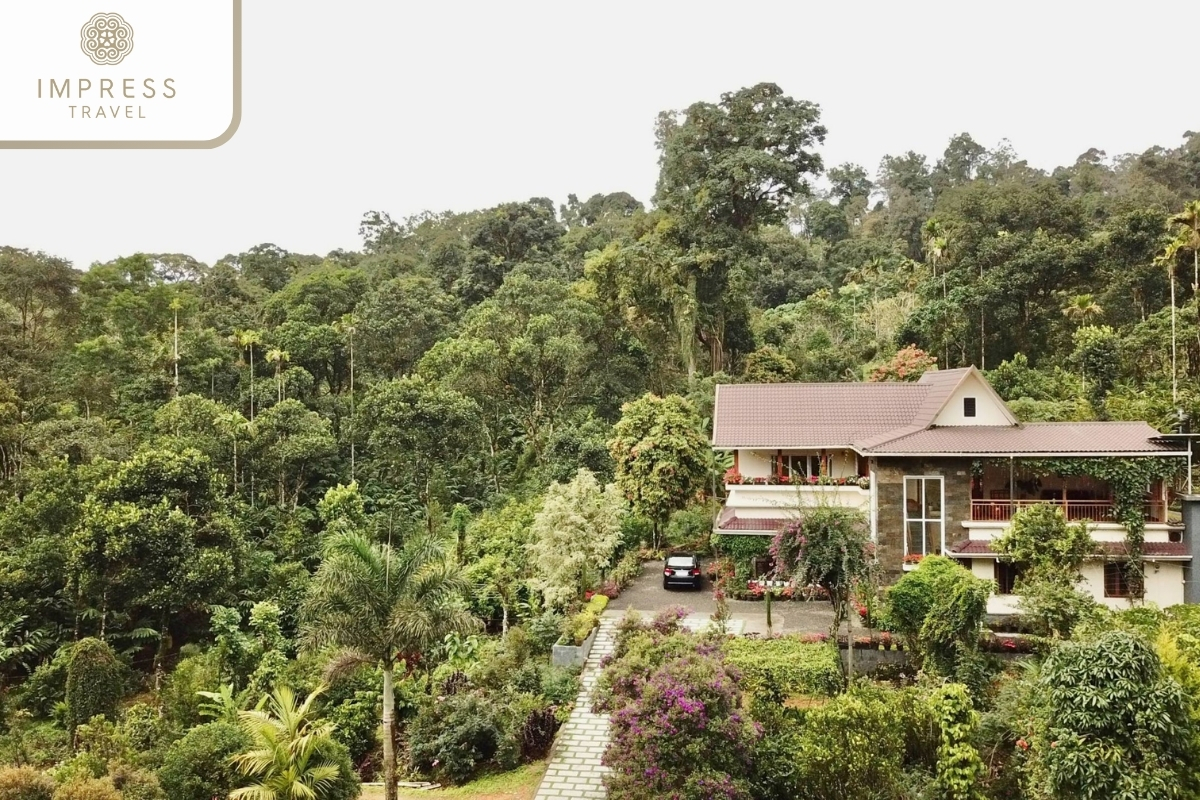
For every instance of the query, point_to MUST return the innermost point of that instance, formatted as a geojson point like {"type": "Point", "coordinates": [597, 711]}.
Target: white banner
{"type": "Point", "coordinates": [120, 73]}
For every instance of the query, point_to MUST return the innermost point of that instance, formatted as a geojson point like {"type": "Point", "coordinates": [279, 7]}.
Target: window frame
{"type": "Point", "coordinates": [1014, 571]}
{"type": "Point", "coordinates": [924, 520]}
{"type": "Point", "coordinates": [1121, 588]}
{"type": "Point", "coordinates": [970, 407]}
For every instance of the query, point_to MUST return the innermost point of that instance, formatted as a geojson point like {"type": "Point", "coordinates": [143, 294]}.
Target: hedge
{"type": "Point", "coordinates": [785, 666]}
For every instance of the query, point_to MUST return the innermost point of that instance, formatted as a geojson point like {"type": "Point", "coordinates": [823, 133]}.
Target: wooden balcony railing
{"type": "Point", "coordinates": [1074, 510]}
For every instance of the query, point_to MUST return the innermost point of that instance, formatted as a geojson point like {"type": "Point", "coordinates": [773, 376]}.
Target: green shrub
{"type": "Point", "coordinates": [545, 630]}
{"type": "Point", "coordinates": [34, 744]}
{"type": "Point", "coordinates": [781, 668]}
{"type": "Point", "coordinates": [691, 528]}
{"type": "Point", "coordinates": [627, 569]}
{"type": "Point", "coordinates": [198, 766]}
{"type": "Point", "coordinates": [582, 624]}
{"type": "Point", "coordinates": [25, 783]}
{"type": "Point", "coordinates": [180, 701]}
{"type": "Point", "coordinates": [851, 747]}
{"type": "Point", "coordinates": [97, 743]}
{"type": "Point", "coordinates": [134, 783]}
{"type": "Point", "coordinates": [88, 789]}
{"type": "Point", "coordinates": [348, 785]}
{"type": "Point", "coordinates": [939, 609]}
{"type": "Point", "coordinates": [146, 730]}
{"type": "Point", "coordinates": [46, 686]}
{"type": "Point", "coordinates": [95, 682]}
{"type": "Point", "coordinates": [454, 738]}
{"type": "Point", "coordinates": [560, 685]}
{"type": "Point", "coordinates": [638, 655]}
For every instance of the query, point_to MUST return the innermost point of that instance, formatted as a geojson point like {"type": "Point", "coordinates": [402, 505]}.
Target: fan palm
{"type": "Point", "coordinates": [286, 759]}
{"type": "Point", "coordinates": [382, 606]}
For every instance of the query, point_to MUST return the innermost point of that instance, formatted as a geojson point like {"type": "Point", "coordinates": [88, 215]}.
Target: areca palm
{"type": "Point", "coordinates": [382, 606]}
{"type": "Point", "coordinates": [1082, 308]}
{"type": "Point", "coordinates": [278, 358]}
{"type": "Point", "coordinates": [287, 760]}
{"type": "Point", "coordinates": [246, 341]}
{"type": "Point", "coordinates": [1188, 221]}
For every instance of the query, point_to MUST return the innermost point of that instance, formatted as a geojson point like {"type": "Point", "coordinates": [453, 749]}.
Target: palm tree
{"type": "Point", "coordinates": [1189, 236]}
{"type": "Point", "coordinates": [246, 340]}
{"type": "Point", "coordinates": [278, 358]}
{"type": "Point", "coordinates": [383, 606]}
{"type": "Point", "coordinates": [176, 304]}
{"type": "Point", "coordinates": [1167, 259]}
{"type": "Point", "coordinates": [1082, 308]}
{"type": "Point", "coordinates": [286, 759]}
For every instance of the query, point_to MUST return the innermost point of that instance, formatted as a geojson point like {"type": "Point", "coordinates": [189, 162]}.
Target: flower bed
{"type": "Point", "coordinates": [735, 478]}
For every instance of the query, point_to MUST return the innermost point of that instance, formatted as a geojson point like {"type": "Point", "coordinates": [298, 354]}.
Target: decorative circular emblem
{"type": "Point", "coordinates": [107, 39]}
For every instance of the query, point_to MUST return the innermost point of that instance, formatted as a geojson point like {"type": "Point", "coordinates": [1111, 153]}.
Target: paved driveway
{"type": "Point", "coordinates": [647, 596]}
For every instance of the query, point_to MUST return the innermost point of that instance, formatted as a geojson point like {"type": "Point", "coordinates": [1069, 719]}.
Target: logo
{"type": "Point", "coordinates": [106, 39]}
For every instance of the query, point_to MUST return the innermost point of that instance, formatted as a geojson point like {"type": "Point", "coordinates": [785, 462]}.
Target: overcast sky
{"type": "Point", "coordinates": [405, 106]}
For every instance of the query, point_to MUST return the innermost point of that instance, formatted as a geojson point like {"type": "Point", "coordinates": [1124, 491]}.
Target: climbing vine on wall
{"type": "Point", "coordinates": [1129, 478]}
{"type": "Point", "coordinates": [741, 549]}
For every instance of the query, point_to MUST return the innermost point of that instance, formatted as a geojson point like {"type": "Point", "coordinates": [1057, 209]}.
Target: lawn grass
{"type": "Point", "coordinates": [518, 784]}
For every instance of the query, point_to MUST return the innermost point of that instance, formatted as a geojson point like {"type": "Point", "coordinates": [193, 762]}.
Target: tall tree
{"type": "Point", "coordinates": [382, 607]}
{"type": "Point", "coordinates": [661, 455]}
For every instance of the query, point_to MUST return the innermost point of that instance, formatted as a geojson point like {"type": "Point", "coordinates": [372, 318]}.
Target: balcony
{"type": "Point", "coordinates": [1073, 510]}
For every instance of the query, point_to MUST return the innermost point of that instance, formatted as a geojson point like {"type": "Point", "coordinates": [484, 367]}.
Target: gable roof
{"type": "Point", "coordinates": [897, 419]}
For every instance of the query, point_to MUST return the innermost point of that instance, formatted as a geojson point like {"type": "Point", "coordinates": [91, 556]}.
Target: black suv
{"type": "Point", "coordinates": [682, 569]}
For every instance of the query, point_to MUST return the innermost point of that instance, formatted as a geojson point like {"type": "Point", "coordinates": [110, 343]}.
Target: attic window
{"type": "Point", "coordinates": [968, 406]}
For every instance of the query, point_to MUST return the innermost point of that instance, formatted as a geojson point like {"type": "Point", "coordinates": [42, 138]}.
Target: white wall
{"type": "Point", "coordinates": [987, 411]}
{"type": "Point", "coordinates": [757, 463]}
{"type": "Point", "coordinates": [1164, 585]}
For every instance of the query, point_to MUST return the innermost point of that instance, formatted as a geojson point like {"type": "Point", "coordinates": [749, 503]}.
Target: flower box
{"type": "Point", "coordinates": [568, 655]}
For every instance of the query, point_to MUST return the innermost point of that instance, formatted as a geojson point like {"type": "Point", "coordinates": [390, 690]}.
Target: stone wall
{"type": "Point", "coordinates": [889, 480]}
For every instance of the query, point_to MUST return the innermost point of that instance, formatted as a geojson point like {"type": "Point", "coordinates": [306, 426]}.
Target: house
{"type": "Point", "coordinates": [939, 466]}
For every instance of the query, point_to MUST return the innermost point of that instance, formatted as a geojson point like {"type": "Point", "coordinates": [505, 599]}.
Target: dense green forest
{"type": "Point", "coordinates": [179, 439]}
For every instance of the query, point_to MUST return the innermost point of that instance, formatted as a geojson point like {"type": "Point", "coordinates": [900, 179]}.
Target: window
{"type": "Point", "coordinates": [1006, 575]}
{"type": "Point", "coordinates": [968, 406]}
{"type": "Point", "coordinates": [923, 515]}
{"type": "Point", "coordinates": [1116, 582]}
{"type": "Point", "coordinates": [793, 465]}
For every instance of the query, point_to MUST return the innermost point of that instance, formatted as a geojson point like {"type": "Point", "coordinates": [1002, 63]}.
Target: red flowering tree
{"type": "Point", "coordinates": [907, 365]}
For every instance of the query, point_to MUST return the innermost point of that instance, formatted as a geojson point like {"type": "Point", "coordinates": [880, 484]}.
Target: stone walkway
{"type": "Point", "coordinates": [575, 770]}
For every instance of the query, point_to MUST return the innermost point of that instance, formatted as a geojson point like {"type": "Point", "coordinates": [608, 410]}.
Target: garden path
{"type": "Point", "coordinates": [575, 770]}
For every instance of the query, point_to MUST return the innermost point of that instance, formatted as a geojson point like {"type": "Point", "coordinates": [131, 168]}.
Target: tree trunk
{"type": "Point", "coordinates": [503, 619]}
{"type": "Point", "coordinates": [389, 736]}
{"type": "Point", "coordinates": [160, 655]}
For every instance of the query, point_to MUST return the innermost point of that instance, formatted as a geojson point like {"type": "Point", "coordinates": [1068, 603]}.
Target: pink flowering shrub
{"type": "Point", "coordinates": [683, 737]}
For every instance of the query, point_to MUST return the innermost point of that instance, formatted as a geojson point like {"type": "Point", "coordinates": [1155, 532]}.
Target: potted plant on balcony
{"type": "Point", "coordinates": [911, 561]}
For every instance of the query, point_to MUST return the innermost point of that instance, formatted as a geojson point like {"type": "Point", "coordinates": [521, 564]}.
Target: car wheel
{"type": "Point", "coordinates": [666, 585]}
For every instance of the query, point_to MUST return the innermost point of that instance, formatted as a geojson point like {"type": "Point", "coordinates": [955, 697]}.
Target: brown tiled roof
{"type": "Point", "coordinates": [1081, 438]}
{"type": "Point", "coordinates": [897, 418]}
{"type": "Point", "coordinates": [983, 547]}
{"type": "Point", "coordinates": [811, 414]}
{"type": "Point", "coordinates": [734, 523]}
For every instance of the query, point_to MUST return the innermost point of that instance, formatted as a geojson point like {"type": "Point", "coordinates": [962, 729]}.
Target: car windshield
{"type": "Point", "coordinates": [680, 561]}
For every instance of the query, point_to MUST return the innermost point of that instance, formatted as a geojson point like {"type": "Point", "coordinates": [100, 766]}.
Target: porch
{"type": "Point", "coordinates": [1000, 491]}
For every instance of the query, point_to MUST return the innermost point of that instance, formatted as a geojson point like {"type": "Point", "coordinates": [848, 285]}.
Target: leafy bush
{"type": "Point", "coordinates": [939, 609]}
{"type": "Point", "coordinates": [146, 731]}
{"type": "Point", "coordinates": [33, 744]}
{"type": "Point", "coordinates": [638, 655]}
{"type": "Point", "coordinates": [781, 668]}
{"type": "Point", "coordinates": [180, 701]}
{"type": "Point", "coordinates": [691, 528]}
{"type": "Point", "coordinates": [25, 783]}
{"type": "Point", "coordinates": [135, 784]}
{"type": "Point", "coordinates": [545, 629]}
{"type": "Point", "coordinates": [560, 685]}
{"type": "Point", "coordinates": [46, 686]}
{"type": "Point", "coordinates": [852, 746]}
{"type": "Point", "coordinates": [88, 789]}
{"type": "Point", "coordinates": [356, 721]}
{"type": "Point", "coordinates": [960, 770]}
{"type": "Point", "coordinates": [348, 785]}
{"type": "Point", "coordinates": [95, 682]}
{"type": "Point", "coordinates": [580, 626]}
{"type": "Point", "coordinates": [98, 742]}
{"type": "Point", "coordinates": [683, 736]}
{"type": "Point", "coordinates": [198, 766]}
{"type": "Point", "coordinates": [1110, 723]}
{"type": "Point", "coordinates": [453, 738]}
